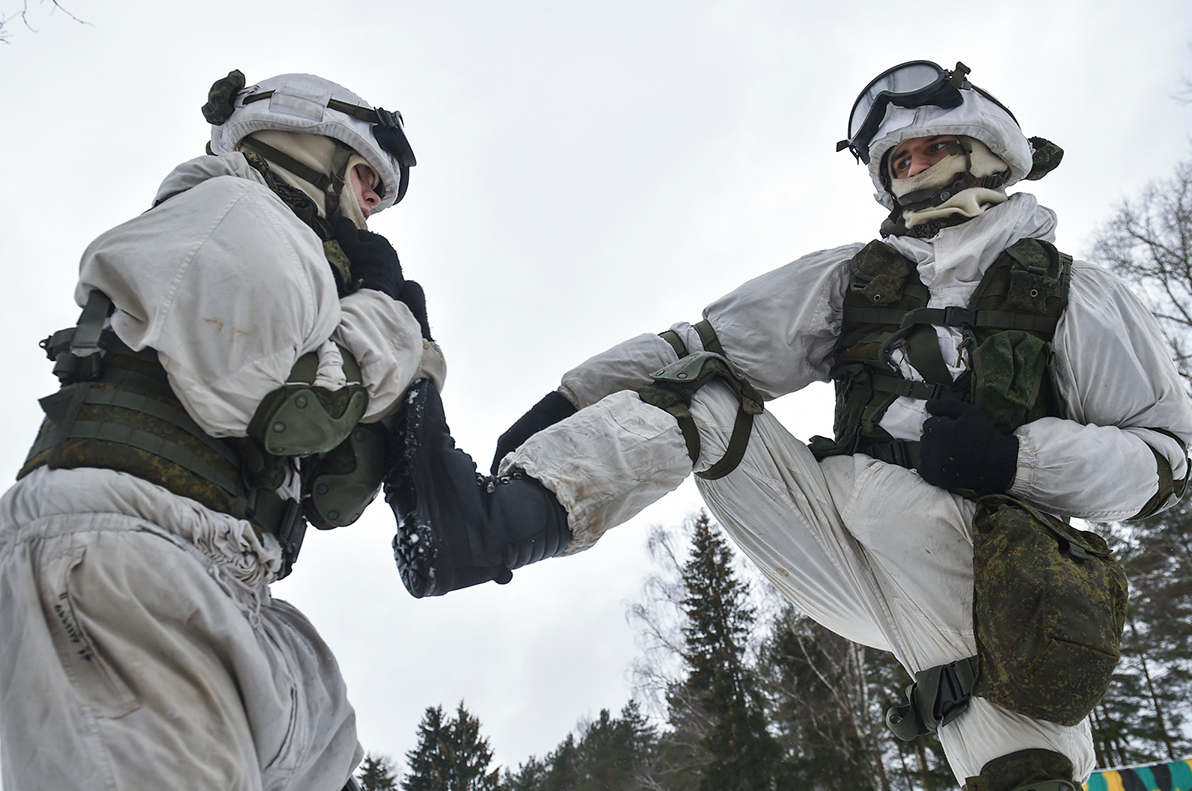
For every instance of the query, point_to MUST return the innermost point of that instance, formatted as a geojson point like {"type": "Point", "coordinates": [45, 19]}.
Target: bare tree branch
{"type": "Point", "coordinates": [1148, 241]}
{"type": "Point", "coordinates": [24, 16]}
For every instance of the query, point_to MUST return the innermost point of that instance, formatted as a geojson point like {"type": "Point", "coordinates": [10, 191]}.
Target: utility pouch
{"type": "Point", "coordinates": [1015, 379]}
{"type": "Point", "coordinates": [854, 391]}
{"type": "Point", "coordinates": [1049, 606]}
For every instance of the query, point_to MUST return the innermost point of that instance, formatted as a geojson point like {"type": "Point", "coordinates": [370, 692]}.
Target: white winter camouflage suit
{"type": "Point", "coordinates": [869, 549]}
{"type": "Point", "coordinates": [139, 644]}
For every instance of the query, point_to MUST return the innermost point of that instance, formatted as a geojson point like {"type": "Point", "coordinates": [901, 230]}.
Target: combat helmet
{"type": "Point", "coordinates": [308, 103]}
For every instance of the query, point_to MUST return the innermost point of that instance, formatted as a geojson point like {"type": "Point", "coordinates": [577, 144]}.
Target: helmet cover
{"type": "Point", "coordinates": [977, 116]}
{"type": "Point", "coordinates": [299, 103]}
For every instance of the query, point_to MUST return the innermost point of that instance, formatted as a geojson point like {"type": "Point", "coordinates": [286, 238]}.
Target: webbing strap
{"type": "Point", "coordinates": [151, 443]}
{"type": "Point", "coordinates": [906, 387]}
{"type": "Point", "coordinates": [983, 319]}
{"type": "Point", "coordinates": [737, 443]}
{"type": "Point", "coordinates": [923, 350]}
{"type": "Point", "coordinates": [135, 402]}
{"type": "Point", "coordinates": [707, 337]}
{"type": "Point", "coordinates": [904, 453]}
{"type": "Point", "coordinates": [676, 343]}
{"type": "Point", "coordinates": [321, 180]}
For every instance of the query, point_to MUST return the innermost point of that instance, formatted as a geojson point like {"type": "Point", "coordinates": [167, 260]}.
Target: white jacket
{"type": "Point", "coordinates": [1115, 372]}
{"type": "Point", "coordinates": [231, 288]}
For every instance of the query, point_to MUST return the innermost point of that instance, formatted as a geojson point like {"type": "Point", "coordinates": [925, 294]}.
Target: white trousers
{"type": "Point", "coordinates": [867, 549]}
{"type": "Point", "coordinates": [138, 657]}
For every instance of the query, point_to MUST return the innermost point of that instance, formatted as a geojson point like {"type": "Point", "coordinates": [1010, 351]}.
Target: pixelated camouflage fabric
{"type": "Point", "coordinates": [1049, 605]}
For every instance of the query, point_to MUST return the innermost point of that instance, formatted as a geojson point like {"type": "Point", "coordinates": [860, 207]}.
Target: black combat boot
{"type": "Point", "coordinates": [455, 527]}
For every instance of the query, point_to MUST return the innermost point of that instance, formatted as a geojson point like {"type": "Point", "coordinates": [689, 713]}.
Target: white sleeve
{"type": "Point", "coordinates": [385, 339]}
{"type": "Point", "coordinates": [1124, 398]}
{"type": "Point", "coordinates": [780, 328]}
{"type": "Point", "coordinates": [227, 285]}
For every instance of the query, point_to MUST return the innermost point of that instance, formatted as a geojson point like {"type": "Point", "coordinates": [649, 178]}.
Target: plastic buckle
{"type": "Point", "coordinates": [959, 317]}
{"type": "Point", "coordinates": [290, 533]}
{"type": "Point", "coordinates": [952, 700]}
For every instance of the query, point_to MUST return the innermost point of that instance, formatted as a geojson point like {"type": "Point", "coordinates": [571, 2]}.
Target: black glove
{"type": "Point", "coordinates": [375, 265]}
{"type": "Point", "coordinates": [961, 449]}
{"type": "Point", "coordinates": [553, 407]}
{"type": "Point", "coordinates": [415, 299]}
{"type": "Point", "coordinates": [374, 261]}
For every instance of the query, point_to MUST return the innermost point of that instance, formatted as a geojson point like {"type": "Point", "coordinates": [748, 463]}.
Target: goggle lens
{"type": "Point", "coordinates": [904, 80]}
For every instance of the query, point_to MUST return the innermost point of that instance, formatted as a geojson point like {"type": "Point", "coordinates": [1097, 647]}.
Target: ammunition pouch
{"type": "Point", "coordinates": [1049, 606]}
{"type": "Point", "coordinates": [1025, 770]}
{"type": "Point", "coordinates": [339, 484]}
{"type": "Point", "coordinates": [676, 384]}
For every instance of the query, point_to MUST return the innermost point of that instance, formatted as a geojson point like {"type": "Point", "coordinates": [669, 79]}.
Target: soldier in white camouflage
{"type": "Point", "coordinates": [240, 344]}
{"type": "Point", "coordinates": [988, 387]}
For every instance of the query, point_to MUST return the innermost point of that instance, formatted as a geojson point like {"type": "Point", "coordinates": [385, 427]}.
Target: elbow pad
{"type": "Point", "coordinates": [338, 486]}
{"type": "Point", "coordinates": [300, 419]}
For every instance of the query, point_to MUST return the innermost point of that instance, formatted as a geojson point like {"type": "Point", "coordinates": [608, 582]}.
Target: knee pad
{"type": "Point", "coordinates": [1025, 770]}
{"type": "Point", "coordinates": [675, 385]}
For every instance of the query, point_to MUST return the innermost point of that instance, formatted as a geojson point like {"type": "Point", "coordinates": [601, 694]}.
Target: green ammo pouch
{"type": "Point", "coordinates": [1015, 379]}
{"type": "Point", "coordinates": [1049, 606]}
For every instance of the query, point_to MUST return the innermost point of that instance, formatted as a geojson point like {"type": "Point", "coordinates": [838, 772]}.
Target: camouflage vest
{"type": "Point", "coordinates": [116, 410]}
{"type": "Point", "coordinates": [1007, 330]}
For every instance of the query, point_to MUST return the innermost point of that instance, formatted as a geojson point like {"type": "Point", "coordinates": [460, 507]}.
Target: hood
{"type": "Point", "coordinates": [976, 117]}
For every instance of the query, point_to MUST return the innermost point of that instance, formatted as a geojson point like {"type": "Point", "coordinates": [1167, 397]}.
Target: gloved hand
{"type": "Point", "coordinates": [374, 261]}
{"type": "Point", "coordinates": [553, 407]}
{"type": "Point", "coordinates": [415, 299]}
{"type": "Point", "coordinates": [375, 265]}
{"type": "Point", "coordinates": [962, 450]}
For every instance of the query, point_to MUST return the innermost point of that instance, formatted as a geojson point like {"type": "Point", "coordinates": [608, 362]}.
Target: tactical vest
{"type": "Point", "coordinates": [116, 410]}
{"type": "Point", "coordinates": [1007, 329]}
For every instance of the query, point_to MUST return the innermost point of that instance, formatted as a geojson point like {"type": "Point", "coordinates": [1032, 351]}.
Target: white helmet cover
{"type": "Point", "coordinates": [976, 117]}
{"type": "Point", "coordinates": [299, 104]}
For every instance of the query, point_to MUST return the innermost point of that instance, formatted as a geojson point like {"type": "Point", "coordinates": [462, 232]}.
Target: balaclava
{"type": "Point", "coordinates": [320, 154]}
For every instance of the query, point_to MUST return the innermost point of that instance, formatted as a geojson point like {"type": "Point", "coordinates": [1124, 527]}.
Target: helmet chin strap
{"type": "Point", "coordinates": [330, 186]}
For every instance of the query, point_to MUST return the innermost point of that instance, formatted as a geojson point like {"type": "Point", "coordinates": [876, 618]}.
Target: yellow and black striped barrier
{"type": "Point", "coordinates": [1173, 776]}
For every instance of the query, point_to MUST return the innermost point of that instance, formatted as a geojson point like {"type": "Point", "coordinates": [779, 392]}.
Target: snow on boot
{"type": "Point", "coordinates": [455, 527]}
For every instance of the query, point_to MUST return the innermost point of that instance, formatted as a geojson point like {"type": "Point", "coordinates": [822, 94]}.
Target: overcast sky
{"type": "Point", "coordinates": [587, 172]}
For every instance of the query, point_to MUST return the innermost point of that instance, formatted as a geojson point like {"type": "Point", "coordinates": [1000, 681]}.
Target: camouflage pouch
{"type": "Point", "coordinates": [1014, 380]}
{"type": "Point", "coordinates": [1049, 606]}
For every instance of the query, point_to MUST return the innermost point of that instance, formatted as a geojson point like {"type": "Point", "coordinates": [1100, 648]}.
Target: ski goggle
{"type": "Point", "coordinates": [912, 84]}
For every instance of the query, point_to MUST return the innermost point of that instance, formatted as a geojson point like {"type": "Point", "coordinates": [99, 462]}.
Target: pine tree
{"type": "Point", "coordinates": [428, 765]}
{"type": "Point", "coordinates": [721, 697]}
{"type": "Point", "coordinates": [450, 756]}
{"type": "Point", "coordinates": [562, 766]}
{"type": "Point", "coordinates": [530, 776]}
{"type": "Point", "coordinates": [376, 774]}
{"type": "Point", "coordinates": [614, 752]}
{"type": "Point", "coordinates": [1143, 716]}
